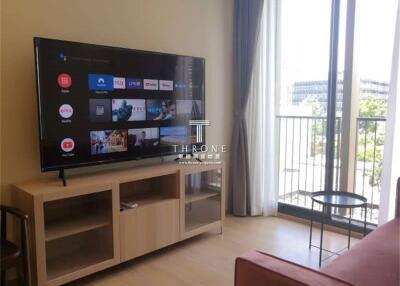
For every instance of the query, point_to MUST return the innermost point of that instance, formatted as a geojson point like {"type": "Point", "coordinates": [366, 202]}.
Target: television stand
{"type": "Point", "coordinates": [80, 229]}
{"type": "Point", "coordinates": [61, 176]}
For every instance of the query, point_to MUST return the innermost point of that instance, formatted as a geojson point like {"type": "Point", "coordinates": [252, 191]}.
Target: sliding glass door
{"type": "Point", "coordinates": [303, 62]}
{"type": "Point", "coordinates": [373, 57]}
{"type": "Point", "coordinates": [333, 70]}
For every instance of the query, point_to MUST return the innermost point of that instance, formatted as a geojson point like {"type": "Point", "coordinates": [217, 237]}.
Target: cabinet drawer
{"type": "Point", "coordinates": [149, 228]}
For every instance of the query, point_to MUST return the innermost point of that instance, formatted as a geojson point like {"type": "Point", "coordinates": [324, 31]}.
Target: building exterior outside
{"type": "Point", "coordinates": [319, 90]}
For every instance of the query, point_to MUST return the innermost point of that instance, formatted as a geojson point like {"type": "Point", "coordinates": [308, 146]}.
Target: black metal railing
{"type": "Point", "coordinates": [368, 164]}
{"type": "Point", "coordinates": [302, 143]}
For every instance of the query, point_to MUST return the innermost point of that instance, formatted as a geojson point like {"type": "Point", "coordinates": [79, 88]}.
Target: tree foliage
{"type": "Point", "coordinates": [371, 135]}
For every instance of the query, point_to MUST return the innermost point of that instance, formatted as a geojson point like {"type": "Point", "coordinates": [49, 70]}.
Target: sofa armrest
{"type": "Point", "coordinates": [259, 269]}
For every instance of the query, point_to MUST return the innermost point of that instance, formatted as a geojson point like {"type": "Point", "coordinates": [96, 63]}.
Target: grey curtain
{"type": "Point", "coordinates": [247, 18]}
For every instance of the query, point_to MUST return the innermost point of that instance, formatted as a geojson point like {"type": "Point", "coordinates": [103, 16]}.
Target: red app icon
{"type": "Point", "coordinates": [64, 80]}
{"type": "Point", "coordinates": [67, 145]}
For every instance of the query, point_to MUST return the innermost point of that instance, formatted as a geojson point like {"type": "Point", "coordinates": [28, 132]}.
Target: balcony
{"type": "Point", "coordinates": [302, 143]}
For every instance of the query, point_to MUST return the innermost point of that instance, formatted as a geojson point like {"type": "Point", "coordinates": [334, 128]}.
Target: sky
{"type": "Point", "coordinates": [305, 29]}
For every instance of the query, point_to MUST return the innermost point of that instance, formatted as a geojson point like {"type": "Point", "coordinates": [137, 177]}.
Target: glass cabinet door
{"type": "Point", "coordinates": [202, 198]}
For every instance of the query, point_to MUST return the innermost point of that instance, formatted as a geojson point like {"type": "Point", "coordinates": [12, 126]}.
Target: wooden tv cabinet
{"type": "Point", "coordinates": [80, 229]}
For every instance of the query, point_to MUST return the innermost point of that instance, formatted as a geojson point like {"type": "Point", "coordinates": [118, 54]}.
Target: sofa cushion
{"type": "Point", "coordinates": [374, 261]}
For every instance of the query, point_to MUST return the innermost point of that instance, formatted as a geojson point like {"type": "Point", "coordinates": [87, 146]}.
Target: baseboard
{"type": "Point", "coordinates": [317, 224]}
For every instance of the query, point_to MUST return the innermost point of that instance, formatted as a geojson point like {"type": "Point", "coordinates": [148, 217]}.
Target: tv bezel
{"type": "Point", "coordinates": [36, 43]}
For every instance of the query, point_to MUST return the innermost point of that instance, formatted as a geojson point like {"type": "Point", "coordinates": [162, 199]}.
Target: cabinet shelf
{"type": "Point", "coordinates": [199, 222]}
{"type": "Point", "coordinates": [197, 196]}
{"type": "Point", "coordinates": [147, 200]}
{"type": "Point", "coordinates": [150, 191]}
{"type": "Point", "coordinates": [76, 261]}
{"type": "Point", "coordinates": [192, 225]}
{"type": "Point", "coordinates": [75, 225]}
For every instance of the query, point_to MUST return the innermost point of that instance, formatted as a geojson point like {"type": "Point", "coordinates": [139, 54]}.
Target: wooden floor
{"type": "Point", "coordinates": [209, 259]}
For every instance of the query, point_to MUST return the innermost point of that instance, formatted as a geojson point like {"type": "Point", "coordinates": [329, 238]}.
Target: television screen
{"type": "Point", "coordinates": [101, 104]}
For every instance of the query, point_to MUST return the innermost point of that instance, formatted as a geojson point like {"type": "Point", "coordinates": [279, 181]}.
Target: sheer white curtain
{"type": "Point", "coordinates": [391, 157]}
{"type": "Point", "coordinates": [261, 123]}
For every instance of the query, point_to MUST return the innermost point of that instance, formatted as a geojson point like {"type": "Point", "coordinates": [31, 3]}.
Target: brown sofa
{"type": "Point", "coordinates": [374, 261]}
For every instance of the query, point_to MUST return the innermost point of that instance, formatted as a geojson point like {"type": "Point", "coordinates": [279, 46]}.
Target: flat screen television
{"type": "Point", "coordinates": [100, 104]}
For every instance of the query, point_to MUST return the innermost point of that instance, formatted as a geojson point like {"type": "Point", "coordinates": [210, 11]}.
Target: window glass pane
{"type": "Point", "coordinates": [374, 35]}
{"type": "Point", "coordinates": [303, 65]}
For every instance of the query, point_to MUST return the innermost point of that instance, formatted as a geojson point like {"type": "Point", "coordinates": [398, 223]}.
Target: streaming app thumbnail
{"type": "Point", "coordinates": [190, 108]}
{"type": "Point", "coordinates": [143, 138]}
{"type": "Point", "coordinates": [108, 141]}
{"type": "Point", "coordinates": [100, 82]}
{"type": "Point", "coordinates": [119, 83]}
{"type": "Point", "coordinates": [150, 84]}
{"type": "Point", "coordinates": [166, 85]}
{"type": "Point", "coordinates": [160, 109]}
{"type": "Point", "coordinates": [128, 110]}
{"type": "Point", "coordinates": [100, 110]}
{"type": "Point", "coordinates": [175, 135]}
{"type": "Point", "coordinates": [134, 83]}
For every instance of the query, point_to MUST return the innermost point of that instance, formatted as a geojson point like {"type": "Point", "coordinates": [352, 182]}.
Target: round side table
{"type": "Point", "coordinates": [339, 200]}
